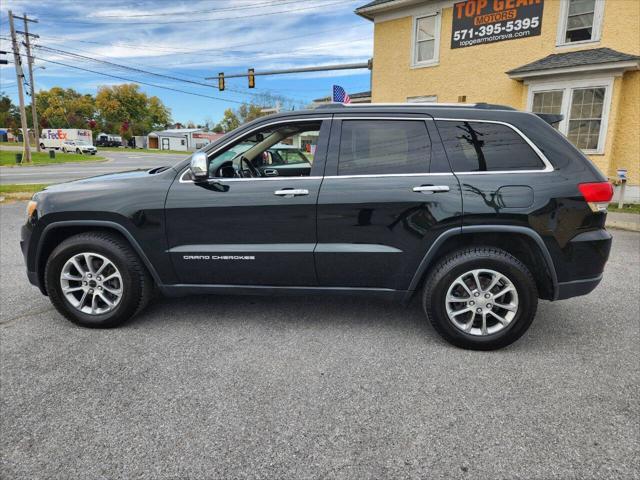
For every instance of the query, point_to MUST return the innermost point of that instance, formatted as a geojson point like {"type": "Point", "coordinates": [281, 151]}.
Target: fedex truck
{"type": "Point", "coordinates": [55, 137]}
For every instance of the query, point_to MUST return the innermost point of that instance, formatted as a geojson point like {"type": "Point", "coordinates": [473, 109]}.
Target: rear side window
{"type": "Point", "coordinates": [479, 147]}
{"type": "Point", "coordinates": [369, 147]}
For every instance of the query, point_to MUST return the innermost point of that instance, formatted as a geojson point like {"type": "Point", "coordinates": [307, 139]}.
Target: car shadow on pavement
{"type": "Point", "coordinates": [329, 310]}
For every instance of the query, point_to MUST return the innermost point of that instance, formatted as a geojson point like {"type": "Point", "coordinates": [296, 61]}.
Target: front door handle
{"type": "Point", "coordinates": [431, 188]}
{"type": "Point", "coordinates": [291, 192]}
{"type": "Point", "coordinates": [270, 172]}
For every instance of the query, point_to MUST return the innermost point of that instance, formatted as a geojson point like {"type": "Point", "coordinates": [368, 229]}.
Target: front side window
{"type": "Point", "coordinates": [378, 147]}
{"type": "Point", "coordinates": [277, 150]}
{"type": "Point", "coordinates": [484, 147]}
{"type": "Point", "coordinates": [580, 20]}
{"type": "Point", "coordinates": [426, 39]}
{"type": "Point", "coordinates": [585, 118]}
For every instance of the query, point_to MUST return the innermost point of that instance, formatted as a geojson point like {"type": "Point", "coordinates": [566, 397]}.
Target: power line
{"type": "Point", "coordinates": [51, 19]}
{"type": "Point", "coordinates": [147, 72]}
{"type": "Point", "coordinates": [126, 67]}
{"type": "Point", "coordinates": [139, 81]}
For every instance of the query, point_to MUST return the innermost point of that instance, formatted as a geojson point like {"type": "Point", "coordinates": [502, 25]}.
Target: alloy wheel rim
{"type": "Point", "coordinates": [91, 283]}
{"type": "Point", "coordinates": [482, 302]}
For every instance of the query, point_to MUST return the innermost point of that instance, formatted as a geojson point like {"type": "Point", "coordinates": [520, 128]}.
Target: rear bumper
{"type": "Point", "coordinates": [583, 264]}
{"type": "Point", "coordinates": [577, 287]}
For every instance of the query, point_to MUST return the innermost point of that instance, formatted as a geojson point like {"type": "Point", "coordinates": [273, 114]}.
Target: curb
{"type": "Point", "coordinates": [620, 225]}
{"type": "Point", "coordinates": [623, 221]}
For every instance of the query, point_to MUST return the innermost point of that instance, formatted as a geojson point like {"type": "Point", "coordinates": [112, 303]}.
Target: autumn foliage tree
{"type": "Point", "coordinates": [64, 108]}
{"type": "Point", "coordinates": [132, 112]}
{"type": "Point", "coordinates": [117, 108]}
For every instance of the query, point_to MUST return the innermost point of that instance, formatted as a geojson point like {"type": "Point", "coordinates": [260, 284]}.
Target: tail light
{"type": "Point", "coordinates": [598, 195]}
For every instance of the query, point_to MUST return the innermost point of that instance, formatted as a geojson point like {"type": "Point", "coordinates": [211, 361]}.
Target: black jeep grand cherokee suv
{"type": "Point", "coordinates": [478, 208]}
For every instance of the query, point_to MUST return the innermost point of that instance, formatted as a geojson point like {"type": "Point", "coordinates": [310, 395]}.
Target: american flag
{"type": "Point", "coordinates": [340, 95]}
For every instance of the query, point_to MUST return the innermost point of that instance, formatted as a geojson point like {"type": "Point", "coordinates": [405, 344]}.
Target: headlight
{"type": "Point", "coordinates": [31, 208]}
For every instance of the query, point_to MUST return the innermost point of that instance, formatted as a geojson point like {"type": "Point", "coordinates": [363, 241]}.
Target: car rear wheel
{"type": "Point", "coordinates": [96, 280]}
{"type": "Point", "coordinates": [42, 146]}
{"type": "Point", "coordinates": [480, 298]}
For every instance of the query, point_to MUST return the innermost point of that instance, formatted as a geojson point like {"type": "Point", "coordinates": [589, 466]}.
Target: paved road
{"type": "Point", "coordinates": [302, 387]}
{"type": "Point", "coordinates": [116, 162]}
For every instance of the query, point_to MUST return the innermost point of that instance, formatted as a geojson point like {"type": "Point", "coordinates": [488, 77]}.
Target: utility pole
{"type": "Point", "coordinates": [19, 79]}
{"type": "Point", "coordinates": [32, 81]}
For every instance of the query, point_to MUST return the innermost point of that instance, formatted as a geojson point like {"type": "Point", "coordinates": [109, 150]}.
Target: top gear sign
{"type": "Point", "coordinates": [488, 21]}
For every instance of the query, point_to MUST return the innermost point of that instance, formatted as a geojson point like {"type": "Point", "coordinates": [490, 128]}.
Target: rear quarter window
{"type": "Point", "coordinates": [481, 146]}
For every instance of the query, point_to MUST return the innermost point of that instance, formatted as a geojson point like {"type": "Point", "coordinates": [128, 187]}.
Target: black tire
{"type": "Point", "coordinates": [42, 146]}
{"type": "Point", "coordinates": [78, 151]}
{"type": "Point", "coordinates": [137, 285]}
{"type": "Point", "coordinates": [456, 264]}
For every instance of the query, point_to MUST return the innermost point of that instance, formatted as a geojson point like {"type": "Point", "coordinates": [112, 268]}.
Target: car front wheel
{"type": "Point", "coordinates": [96, 280]}
{"type": "Point", "coordinates": [480, 298]}
{"type": "Point", "coordinates": [78, 151]}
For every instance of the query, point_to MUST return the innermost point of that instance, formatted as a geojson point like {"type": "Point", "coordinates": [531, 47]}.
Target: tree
{"type": "Point", "coordinates": [249, 112]}
{"type": "Point", "coordinates": [230, 121]}
{"type": "Point", "coordinates": [64, 108]}
{"type": "Point", "coordinates": [9, 115]}
{"type": "Point", "coordinates": [129, 110]}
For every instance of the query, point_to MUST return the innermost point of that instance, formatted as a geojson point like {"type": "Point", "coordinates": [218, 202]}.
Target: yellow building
{"type": "Point", "coordinates": [578, 58]}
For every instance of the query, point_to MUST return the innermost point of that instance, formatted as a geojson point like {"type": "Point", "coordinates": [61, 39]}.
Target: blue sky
{"type": "Point", "coordinates": [193, 40]}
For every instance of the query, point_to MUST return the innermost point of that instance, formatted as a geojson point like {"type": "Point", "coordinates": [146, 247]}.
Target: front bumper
{"type": "Point", "coordinates": [32, 274]}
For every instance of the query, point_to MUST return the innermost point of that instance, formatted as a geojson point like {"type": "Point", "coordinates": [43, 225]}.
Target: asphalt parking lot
{"type": "Point", "coordinates": [307, 387]}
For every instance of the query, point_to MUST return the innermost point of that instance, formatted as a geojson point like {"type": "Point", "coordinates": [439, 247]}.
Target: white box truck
{"type": "Point", "coordinates": [55, 137]}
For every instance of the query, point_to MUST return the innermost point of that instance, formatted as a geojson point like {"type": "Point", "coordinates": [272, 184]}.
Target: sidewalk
{"type": "Point", "coordinates": [624, 221]}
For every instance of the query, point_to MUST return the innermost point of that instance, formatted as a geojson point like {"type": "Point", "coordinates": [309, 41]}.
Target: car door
{"type": "Point", "coordinates": [388, 193]}
{"type": "Point", "coordinates": [248, 231]}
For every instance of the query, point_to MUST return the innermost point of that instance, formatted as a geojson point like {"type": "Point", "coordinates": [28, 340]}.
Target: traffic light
{"type": "Point", "coordinates": [252, 78]}
{"type": "Point", "coordinates": [221, 81]}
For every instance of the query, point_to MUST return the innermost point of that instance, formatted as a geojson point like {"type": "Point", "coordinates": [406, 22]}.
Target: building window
{"type": "Point", "coordinates": [548, 102]}
{"type": "Point", "coordinates": [580, 21]}
{"type": "Point", "coordinates": [426, 40]}
{"type": "Point", "coordinates": [584, 105]}
{"type": "Point", "coordinates": [585, 118]}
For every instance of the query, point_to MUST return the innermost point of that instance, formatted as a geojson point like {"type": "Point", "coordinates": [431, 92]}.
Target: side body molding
{"type": "Point", "coordinates": [428, 259]}
{"type": "Point", "coordinates": [99, 223]}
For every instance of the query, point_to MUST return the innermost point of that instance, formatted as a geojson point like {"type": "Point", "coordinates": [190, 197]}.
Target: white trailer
{"type": "Point", "coordinates": [55, 137]}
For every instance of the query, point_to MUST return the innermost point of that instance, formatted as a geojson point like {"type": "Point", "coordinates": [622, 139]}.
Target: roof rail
{"type": "Point", "coordinates": [482, 105]}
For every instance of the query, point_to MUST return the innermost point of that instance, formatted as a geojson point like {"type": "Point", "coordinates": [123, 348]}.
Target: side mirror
{"type": "Point", "coordinates": [199, 168]}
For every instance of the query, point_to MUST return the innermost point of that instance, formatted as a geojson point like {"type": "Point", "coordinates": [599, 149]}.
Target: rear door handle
{"type": "Point", "coordinates": [431, 188]}
{"type": "Point", "coordinates": [291, 192]}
